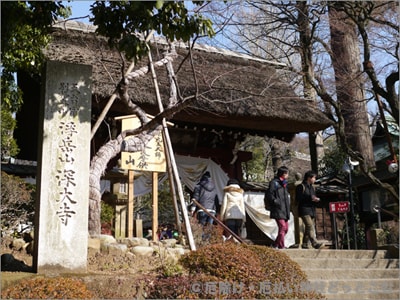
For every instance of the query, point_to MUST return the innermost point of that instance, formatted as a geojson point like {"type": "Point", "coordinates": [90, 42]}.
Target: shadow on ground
{"type": "Point", "coordinates": [10, 264]}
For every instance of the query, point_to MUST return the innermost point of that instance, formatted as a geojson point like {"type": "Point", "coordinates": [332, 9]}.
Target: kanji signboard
{"type": "Point", "coordinates": [151, 158]}
{"type": "Point", "coordinates": [339, 207]}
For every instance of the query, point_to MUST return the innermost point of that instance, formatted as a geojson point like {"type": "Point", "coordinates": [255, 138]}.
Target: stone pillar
{"type": "Point", "coordinates": [139, 228]}
{"type": "Point", "coordinates": [61, 224]}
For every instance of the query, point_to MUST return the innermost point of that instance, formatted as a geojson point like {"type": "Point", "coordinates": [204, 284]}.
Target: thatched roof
{"type": "Point", "coordinates": [237, 91]}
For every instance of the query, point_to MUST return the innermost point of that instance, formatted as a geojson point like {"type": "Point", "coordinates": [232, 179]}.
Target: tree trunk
{"type": "Point", "coordinates": [316, 143]}
{"type": "Point", "coordinates": [349, 84]}
{"type": "Point", "coordinates": [112, 148]}
{"type": "Point", "coordinates": [97, 168]}
{"type": "Point", "coordinates": [276, 151]}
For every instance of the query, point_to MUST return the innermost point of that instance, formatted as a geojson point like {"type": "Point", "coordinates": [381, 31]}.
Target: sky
{"type": "Point", "coordinates": [82, 8]}
{"type": "Point", "coordinates": [79, 9]}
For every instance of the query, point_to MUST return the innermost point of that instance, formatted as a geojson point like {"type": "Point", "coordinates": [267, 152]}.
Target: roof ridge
{"type": "Point", "coordinates": [90, 28]}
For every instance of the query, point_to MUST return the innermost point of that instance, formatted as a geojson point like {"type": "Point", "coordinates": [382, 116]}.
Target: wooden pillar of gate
{"type": "Point", "coordinates": [130, 214]}
{"type": "Point", "coordinates": [155, 206]}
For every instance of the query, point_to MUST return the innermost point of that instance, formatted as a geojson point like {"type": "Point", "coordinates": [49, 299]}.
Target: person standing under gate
{"type": "Point", "coordinates": [279, 203]}
{"type": "Point", "coordinates": [233, 212]}
{"type": "Point", "coordinates": [307, 199]}
{"type": "Point", "coordinates": [205, 193]}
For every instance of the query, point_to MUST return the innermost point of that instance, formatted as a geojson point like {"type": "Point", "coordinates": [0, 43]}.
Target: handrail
{"type": "Point", "coordinates": [218, 221]}
{"type": "Point", "coordinates": [378, 208]}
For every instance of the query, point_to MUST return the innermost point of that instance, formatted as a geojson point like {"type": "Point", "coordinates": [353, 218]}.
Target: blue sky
{"type": "Point", "coordinates": [79, 9]}
{"type": "Point", "coordinates": [82, 8]}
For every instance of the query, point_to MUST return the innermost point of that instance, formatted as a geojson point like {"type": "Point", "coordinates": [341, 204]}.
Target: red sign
{"type": "Point", "coordinates": [339, 207]}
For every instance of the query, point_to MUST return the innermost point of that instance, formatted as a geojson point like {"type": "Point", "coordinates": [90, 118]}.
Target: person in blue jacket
{"type": "Point", "coordinates": [205, 193]}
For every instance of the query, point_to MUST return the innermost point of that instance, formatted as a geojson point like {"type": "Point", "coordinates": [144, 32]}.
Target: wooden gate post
{"type": "Point", "coordinates": [155, 206]}
{"type": "Point", "coordinates": [130, 217]}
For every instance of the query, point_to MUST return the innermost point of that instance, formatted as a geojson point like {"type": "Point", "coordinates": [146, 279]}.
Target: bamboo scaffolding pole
{"type": "Point", "coordinates": [173, 191]}
{"type": "Point", "coordinates": [172, 159]}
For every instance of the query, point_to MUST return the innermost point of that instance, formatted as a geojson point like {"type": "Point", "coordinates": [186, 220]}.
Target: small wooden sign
{"type": "Point", "coordinates": [151, 158]}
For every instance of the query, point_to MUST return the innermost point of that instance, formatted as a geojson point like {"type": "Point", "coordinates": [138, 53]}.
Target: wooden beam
{"type": "Point", "coordinates": [130, 216]}
{"type": "Point", "coordinates": [155, 206]}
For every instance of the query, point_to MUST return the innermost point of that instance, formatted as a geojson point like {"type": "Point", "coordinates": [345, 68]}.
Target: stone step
{"type": "Point", "coordinates": [328, 253]}
{"type": "Point", "coordinates": [355, 286]}
{"type": "Point", "coordinates": [347, 263]}
{"type": "Point", "coordinates": [334, 274]}
{"type": "Point", "coordinates": [389, 295]}
{"type": "Point", "coordinates": [349, 274]}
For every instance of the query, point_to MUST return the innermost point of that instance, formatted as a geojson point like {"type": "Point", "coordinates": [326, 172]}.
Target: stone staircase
{"type": "Point", "coordinates": [350, 274]}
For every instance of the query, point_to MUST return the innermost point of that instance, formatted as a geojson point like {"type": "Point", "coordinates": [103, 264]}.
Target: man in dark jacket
{"type": "Point", "coordinates": [279, 204]}
{"type": "Point", "coordinates": [205, 193]}
{"type": "Point", "coordinates": [306, 199]}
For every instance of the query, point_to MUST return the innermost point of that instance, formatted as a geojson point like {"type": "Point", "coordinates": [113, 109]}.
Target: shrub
{"type": "Point", "coordinates": [106, 218]}
{"type": "Point", "coordinates": [107, 213]}
{"type": "Point", "coordinates": [17, 203]}
{"type": "Point", "coordinates": [198, 231]}
{"type": "Point", "coordinates": [230, 270]}
{"type": "Point", "coordinates": [224, 260]}
{"type": "Point", "coordinates": [48, 288]}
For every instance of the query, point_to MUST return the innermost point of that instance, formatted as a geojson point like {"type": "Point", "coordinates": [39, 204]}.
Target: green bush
{"type": "Point", "coordinates": [48, 288]}
{"type": "Point", "coordinates": [234, 271]}
{"type": "Point", "coordinates": [107, 213]}
{"type": "Point", "coordinates": [9, 147]}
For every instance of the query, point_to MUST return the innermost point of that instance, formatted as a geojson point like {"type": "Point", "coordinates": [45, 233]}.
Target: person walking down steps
{"type": "Point", "coordinates": [233, 212]}
{"type": "Point", "coordinates": [205, 193]}
{"type": "Point", "coordinates": [307, 200]}
{"type": "Point", "coordinates": [278, 198]}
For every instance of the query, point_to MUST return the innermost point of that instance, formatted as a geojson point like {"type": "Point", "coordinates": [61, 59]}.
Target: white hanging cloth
{"type": "Point", "coordinates": [191, 169]}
